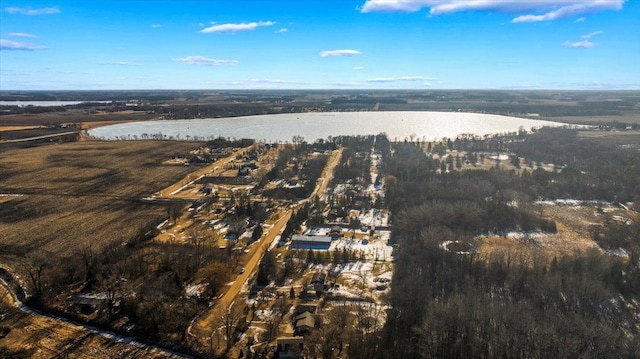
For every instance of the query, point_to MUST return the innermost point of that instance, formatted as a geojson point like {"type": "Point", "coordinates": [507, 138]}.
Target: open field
{"type": "Point", "coordinates": [595, 120]}
{"type": "Point", "coordinates": [72, 116]}
{"type": "Point", "coordinates": [83, 193]}
{"type": "Point", "coordinates": [574, 221]}
{"type": "Point", "coordinates": [16, 128]}
{"type": "Point", "coordinates": [629, 139]}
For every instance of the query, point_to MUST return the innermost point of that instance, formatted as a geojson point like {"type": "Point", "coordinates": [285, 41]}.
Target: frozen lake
{"type": "Point", "coordinates": [398, 125]}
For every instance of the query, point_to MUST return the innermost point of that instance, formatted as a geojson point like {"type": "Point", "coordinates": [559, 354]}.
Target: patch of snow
{"type": "Point", "coordinates": [194, 290]}
{"type": "Point", "coordinates": [375, 249]}
{"type": "Point", "coordinates": [500, 157]}
{"type": "Point", "coordinates": [619, 252]}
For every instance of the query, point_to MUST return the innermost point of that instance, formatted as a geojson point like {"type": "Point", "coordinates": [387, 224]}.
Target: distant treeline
{"type": "Point", "coordinates": [181, 104]}
{"type": "Point", "coordinates": [366, 99]}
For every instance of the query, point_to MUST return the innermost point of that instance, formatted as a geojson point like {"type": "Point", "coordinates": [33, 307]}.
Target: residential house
{"type": "Point", "coordinates": [290, 347]}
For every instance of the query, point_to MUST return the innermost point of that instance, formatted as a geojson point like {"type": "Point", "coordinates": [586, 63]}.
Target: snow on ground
{"type": "Point", "coordinates": [445, 245]}
{"type": "Point", "coordinates": [622, 220]}
{"type": "Point", "coordinates": [575, 203]}
{"type": "Point", "coordinates": [194, 290]}
{"type": "Point", "coordinates": [618, 252]}
{"type": "Point", "coordinates": [263, 314]}
{"type": "Point", "coordinates": [374, 217]}
{"type": "Point", "coordinates": [246, 234]}
{"type": "Point", "coordinates": [361, 280]}
{"type": "Point", "coordinates": [372, 187]}
{"type": "Point", "coordinates": [375, 249]}
{"type": "Point", "coordinates": [340, 188]}
{"type": "Point", "coordinates": [500, 157]}
{"type": "Point", "coordinates": [318, 231]}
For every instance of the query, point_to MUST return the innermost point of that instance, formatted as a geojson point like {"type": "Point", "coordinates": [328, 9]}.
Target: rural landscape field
{"type": "Point", "coordinates": [353, 179]}
{"type": "Point", "coordinates": [231, 247]}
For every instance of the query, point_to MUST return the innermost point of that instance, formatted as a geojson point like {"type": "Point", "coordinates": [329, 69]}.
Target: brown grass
{"type": "Point", "coordinates": [83, 193]}
{"type": "Point", "coordinates": [16, 128]}
{"type": "Point", "coordinates": [37, 336]}
{"type": "Point", "coordinates": [618, 138]}
{"type": "Point", "coordinates": [573, 237]}
{"type": "Point", "coordinates": [595, 120]}
{"type": "Point", "coordinates": [73, 116]}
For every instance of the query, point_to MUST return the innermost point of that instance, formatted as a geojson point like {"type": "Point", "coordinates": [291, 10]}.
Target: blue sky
{"type": "Point", "coordinates": [325, 44]}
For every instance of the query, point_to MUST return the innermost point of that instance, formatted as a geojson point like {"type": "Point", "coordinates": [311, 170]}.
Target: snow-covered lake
{"type": "Point", "coordinates": [398, 125]}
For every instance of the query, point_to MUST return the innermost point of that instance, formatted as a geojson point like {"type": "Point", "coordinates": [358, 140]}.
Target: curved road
{"type": "Point", "coordinates": [45, 335]}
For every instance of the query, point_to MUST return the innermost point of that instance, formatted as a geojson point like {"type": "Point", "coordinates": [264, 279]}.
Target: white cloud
{"type": "Point", "coordinates": [22, 34]}
{"type": "Point", "coordinates": [347, 84]}
{"type": "Point", "coordinates": [584, 43]}
{"type": "Point", "coordinates": [30, 11]}
{"type": "Point", "coordinates": [155, 26]}
{"type": "Point", "coordinates": [580, 19]}
{"type": "Point", "coordinates": [273, 81]}
{"type": "Point", "coordinates": [394, 5]}
{"type": "Point", "coordinates": [14, 45]}
{"type": "Point", "coordinates": [336, 53]}
{"type": "Point", "coordinates": [401, 78]}
{"type": "Point", "coordinates": [284, 29]}
{"type": "Point", "coordinates": [118, 63]}
{"type": "Point", "coordinates": [358, 68]}
{"type": "Point", "coordinates": [575, 8]}
{"type": "Point", "coordinates": [205, 61]}
{"type": "Point", "coordinates": [236, 27]}
{"type": "Point", "coordinates": [544, 10]}
{"type": "Point", "coordinates": [591, 34]}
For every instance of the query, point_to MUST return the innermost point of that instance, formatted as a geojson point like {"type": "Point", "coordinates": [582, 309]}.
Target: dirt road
{"type": "Point", "coordinates": [327, 173]}
{"type": "Point", "coordinates": [214, 169]}
{"type": "Point", "coordinates": [43, 137]}
{"type": "Point", "coordinates": [204, 325]}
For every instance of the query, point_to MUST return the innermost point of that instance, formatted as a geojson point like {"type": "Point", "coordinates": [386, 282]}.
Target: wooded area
{"type": "Point", "coordinates": [461, 306]}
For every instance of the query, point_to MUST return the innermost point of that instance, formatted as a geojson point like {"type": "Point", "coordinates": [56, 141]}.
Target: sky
{"type": "Point", "coordinates": [319, 44]}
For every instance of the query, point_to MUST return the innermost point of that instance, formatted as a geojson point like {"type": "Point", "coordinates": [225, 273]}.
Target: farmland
{"type": "Point", "coordinates": [209, 248]}
{"type": "Point", "coordinates": [82, 193]}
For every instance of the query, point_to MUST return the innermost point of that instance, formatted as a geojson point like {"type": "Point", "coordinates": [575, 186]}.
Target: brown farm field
{"type": "Point", "coordinates": [82, 193]}
{"type": "Point", "coordinates": [72, 116]}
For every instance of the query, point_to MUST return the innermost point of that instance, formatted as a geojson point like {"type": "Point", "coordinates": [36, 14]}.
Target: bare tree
{"type": "Point", "coordinates": [35, 265]}
{"type": "Point", "coordinates": [110, 287]}
{"type": "Point", "coordinates": [228, 321]}
{"type": "Point", "coordinates": [89, 260]}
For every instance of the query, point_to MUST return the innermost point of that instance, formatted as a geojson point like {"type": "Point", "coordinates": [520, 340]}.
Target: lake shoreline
{"type": "Point", "coordinates": [398, 125]}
